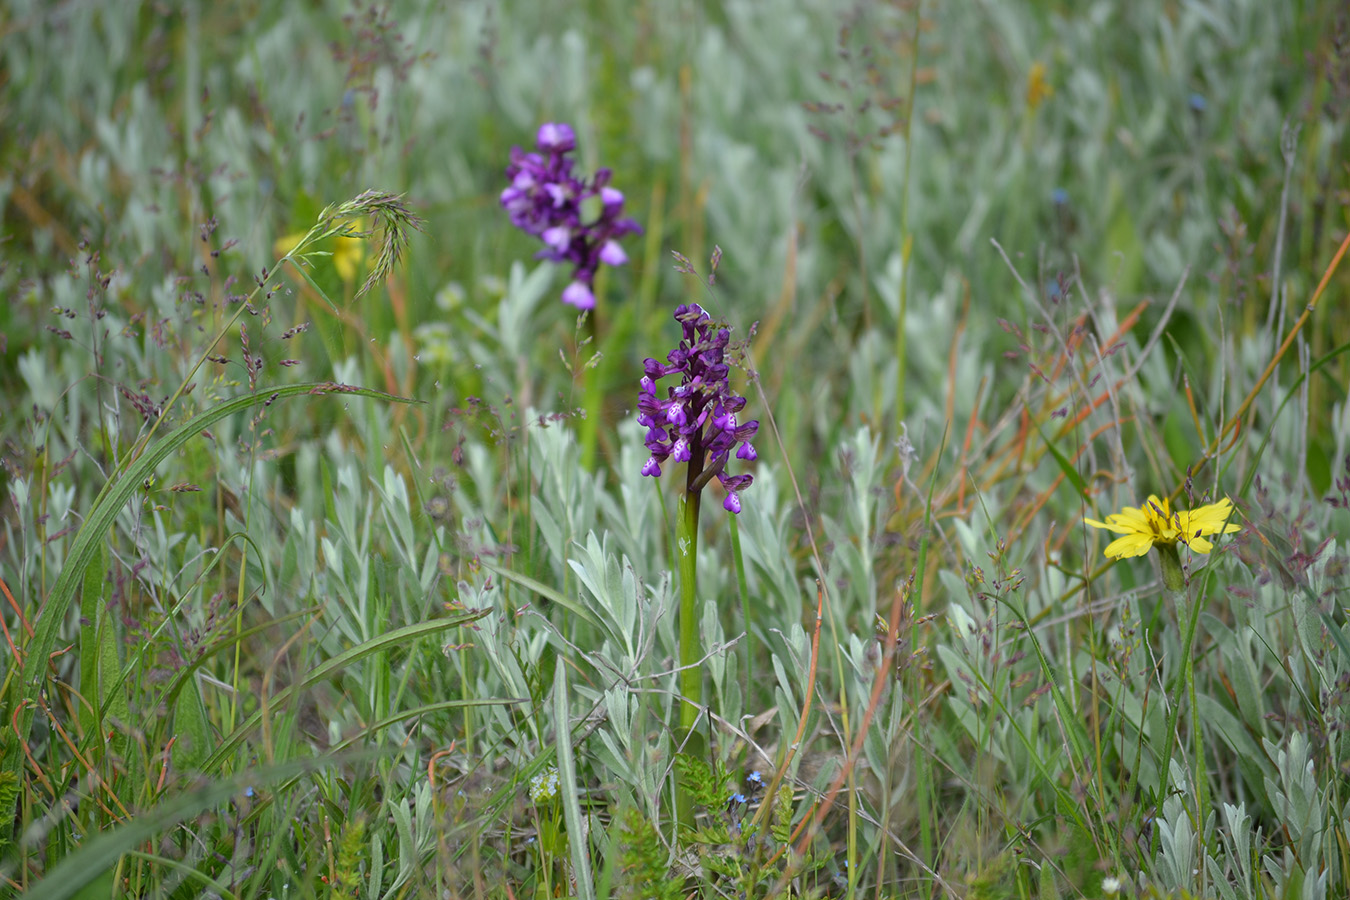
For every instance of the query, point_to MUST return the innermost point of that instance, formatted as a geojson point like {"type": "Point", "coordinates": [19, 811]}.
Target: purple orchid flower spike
{"type": "Point", "coordinates": [545, 200]}
{"type": "Point", "coordinates": [698, 420]}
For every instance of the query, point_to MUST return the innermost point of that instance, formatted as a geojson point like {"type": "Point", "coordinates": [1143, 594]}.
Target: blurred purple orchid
{"type": "Point", "coordinates": [545, 200]}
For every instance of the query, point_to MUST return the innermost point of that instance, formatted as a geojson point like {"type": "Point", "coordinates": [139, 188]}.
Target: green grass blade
{"type": "Point", "coordinates": [924, 772]}
{"type": "Point", "coordinates": [192, 727]}
{"type": "Point", "coordinates": [1065, 466]}
{"type": "Point", "coordinates": [91, 602]}
{"type": "Point", "coordinates": [542, 590]}
{"type": "Point", "coordinates": [567, 786]}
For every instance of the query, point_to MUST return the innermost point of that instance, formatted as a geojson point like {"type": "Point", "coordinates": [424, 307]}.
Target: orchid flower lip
{"type": "Point", "coordinates": [579, 294]}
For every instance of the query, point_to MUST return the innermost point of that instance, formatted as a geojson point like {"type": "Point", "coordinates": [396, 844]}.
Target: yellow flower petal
{"type": "Point", "coordinates": [1128, 546]}
{"type": "Point", "coordinates": [1109, 525]}
{"type": "Point", "coordinates": [1199, 544]}
{"type": "Point", "coordinates": [1211, 519]}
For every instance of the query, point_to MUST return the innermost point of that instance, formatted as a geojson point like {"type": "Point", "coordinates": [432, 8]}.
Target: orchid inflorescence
{"type": "Point", "coordinates": [697, 423]}
{"type": "Point", "coordinates": [545, 200]}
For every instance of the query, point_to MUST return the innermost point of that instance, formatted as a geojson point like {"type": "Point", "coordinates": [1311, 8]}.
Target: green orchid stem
{"type": "Point", "coordinates": [691, 675]}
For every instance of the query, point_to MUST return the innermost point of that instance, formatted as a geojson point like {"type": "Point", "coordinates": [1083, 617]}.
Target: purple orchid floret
{"type": "Point", "coordinates": [545, 200]}
{"type": "Point", "coordinates": [698, 420]}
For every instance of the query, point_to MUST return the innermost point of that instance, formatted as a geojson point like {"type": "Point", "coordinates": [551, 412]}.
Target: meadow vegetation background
{"type": "Point", "coordinates": [311, 591]}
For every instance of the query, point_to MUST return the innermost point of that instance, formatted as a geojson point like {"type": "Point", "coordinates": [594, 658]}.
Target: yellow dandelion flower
{"type": "Point", "coordinates": [1156, 524]}
{"type": "Point", "coordinates": [1038, 88]}
{"type": "Point", "coordinates": [1142, 528]}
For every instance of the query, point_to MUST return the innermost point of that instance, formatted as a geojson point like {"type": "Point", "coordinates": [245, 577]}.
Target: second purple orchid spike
{"type": "Point", "coordinates": [545, 200]}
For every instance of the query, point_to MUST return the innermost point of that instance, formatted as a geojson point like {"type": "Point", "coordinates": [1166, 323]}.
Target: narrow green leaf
{"type": "Point", "coordinates": [102, 887]}
{"type": "Point", "coordinates": [567, 786]}
{"type": "Point", "coordinates": [542, 590]}
{"type": "Point", "coordinates": [1046, 889]}
{"type": "Point", "coordinates": [184, 676]}
{"type": "Point", "coordinates": [924, 780]}
{"type": "Point", "coordinates": [299, 266]}
{"type": "Point", "coordinates": [191, 728]}
{"type": "Point", "coordinates": [1337, 636]}
{"type": "Point", "coordinates": [375, 728]}
{"type": "Point", "coordinates": [1065, 466]}
{"type": "Point", "coordinates": [91, 604]}
{"type": "Point", "coordinates": [112, 695]}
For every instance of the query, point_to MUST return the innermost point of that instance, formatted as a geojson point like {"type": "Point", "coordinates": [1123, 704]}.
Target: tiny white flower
{"type": "Point", "coordinates": [1111, 886]}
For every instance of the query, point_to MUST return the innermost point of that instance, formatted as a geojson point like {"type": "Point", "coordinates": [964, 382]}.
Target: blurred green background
{"type": "Point", "coordinates": [811, 141]}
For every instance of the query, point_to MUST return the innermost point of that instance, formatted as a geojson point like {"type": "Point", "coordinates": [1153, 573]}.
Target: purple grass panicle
{"type": "Point", "coordinates": [545, 200]}
{"type": "Point", "coordinates": [697, 421]}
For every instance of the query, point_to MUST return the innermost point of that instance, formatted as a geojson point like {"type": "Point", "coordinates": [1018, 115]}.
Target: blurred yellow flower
{"type": "Point", "coordinates": [1038, 89]}
{"type": "Point", "coordinates": [348, 253]}
{"type": "Point", "coordinates": [1155, 523]}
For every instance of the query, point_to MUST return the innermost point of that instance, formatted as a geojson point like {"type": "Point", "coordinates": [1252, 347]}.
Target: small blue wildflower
{"type": "Point", "coordinates": [756, 779]}
{"type": "Point", "coordinates": [248, 791]}
{"type": "Point", "coordinates": [697, 422]}
{"type": "Point", "coordinates": [737, 798]}
{"type": "Point", "coordinates": [545, 200]}
{"type": "Point", "coordinates": [1197, 102]}
{"type": "Point", "coordinates": [1059, 197]}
